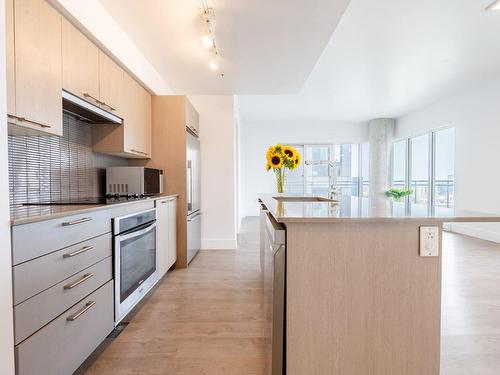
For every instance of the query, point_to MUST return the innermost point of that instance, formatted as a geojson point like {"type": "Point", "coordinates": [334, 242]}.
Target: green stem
{"type": "Point", "coordinates": [280, 179]}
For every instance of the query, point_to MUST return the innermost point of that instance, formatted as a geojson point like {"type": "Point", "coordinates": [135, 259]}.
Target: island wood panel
{"type": "Point", "coordinates": [169, 154]}
{"type": "Point", "coordinates": [360, 300]}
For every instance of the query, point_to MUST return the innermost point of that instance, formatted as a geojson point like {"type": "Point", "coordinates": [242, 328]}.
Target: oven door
{"type": "Point", "coordinates": [135, 267]}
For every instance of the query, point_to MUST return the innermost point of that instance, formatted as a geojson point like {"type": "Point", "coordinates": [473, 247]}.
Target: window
{"type": "Point", "coordinates": [426, 165]}
{"type": "Point", "coordinates": [314, 176]}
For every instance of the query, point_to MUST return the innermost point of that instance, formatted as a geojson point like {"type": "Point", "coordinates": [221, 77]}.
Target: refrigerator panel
{"type": "Point", "coordinates": [193, 235]}
{"type": "Point", "coordinates": [193, 171]}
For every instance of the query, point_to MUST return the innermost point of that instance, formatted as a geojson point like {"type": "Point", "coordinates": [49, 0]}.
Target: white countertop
{"type": "Point", "coordinates": [353, 209]}
{"type": "Point", "coordinates": [29, 214]}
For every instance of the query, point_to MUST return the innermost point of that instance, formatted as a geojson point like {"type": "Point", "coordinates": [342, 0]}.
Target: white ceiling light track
{"type": "Point", "coordinates": [208, 40]}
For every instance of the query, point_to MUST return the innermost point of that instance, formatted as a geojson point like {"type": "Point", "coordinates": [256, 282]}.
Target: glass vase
{"type": "Point", "coordinates": [280, 179]}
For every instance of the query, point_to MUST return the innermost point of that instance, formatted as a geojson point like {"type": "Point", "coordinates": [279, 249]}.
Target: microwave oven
{"type": "Point", "coordinates": [135, 181]}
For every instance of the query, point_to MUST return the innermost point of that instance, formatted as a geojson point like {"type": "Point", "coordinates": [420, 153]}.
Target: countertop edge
{"type": "Point", "coordinates": [472, 217]}
{"type": "Point", "coordinates": [80, 209]}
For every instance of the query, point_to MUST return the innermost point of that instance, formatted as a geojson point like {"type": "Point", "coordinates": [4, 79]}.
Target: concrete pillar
{"type": "Point", "coordinates": [381, 133]}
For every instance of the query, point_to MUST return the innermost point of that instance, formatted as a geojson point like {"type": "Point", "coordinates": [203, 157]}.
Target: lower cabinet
{"type": "Point", "coordinates": [60, 347]}
{"type": "Point", "coordinates": [166, 237]}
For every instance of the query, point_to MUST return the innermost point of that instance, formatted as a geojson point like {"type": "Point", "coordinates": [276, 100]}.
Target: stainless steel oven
{"type": "Point", "coordinates": [136, 260]}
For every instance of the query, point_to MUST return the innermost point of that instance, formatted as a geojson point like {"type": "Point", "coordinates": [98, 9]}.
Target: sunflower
{"type": "Point", "coordinates": [296, 161]}
{"type": "Point", "coordinates": [290, 152]}
{"type": "Point", "coordinates": [275, 159]}
{"type": "Point", "coordinates": [268, 167]}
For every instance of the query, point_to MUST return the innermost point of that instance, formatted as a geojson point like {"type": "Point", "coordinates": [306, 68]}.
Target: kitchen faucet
{"type": "Point", "coordinates": [332, 176]}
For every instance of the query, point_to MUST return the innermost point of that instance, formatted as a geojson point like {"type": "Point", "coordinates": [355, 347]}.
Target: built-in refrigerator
{"type": "Point", "coordinates": [193, 194]}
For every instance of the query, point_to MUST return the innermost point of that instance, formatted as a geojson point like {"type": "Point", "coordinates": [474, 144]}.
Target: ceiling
{"type": "Point", "coordinates": [390, 57]}
{"type": "Point", "coordinates": [266, 47]}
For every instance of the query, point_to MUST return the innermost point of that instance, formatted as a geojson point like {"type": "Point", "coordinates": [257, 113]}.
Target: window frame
{"type": "Point", "coordinates": [431, 197]}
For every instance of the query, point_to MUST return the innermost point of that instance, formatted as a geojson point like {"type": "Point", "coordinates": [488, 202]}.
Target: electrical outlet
{"type": "Point", "coordinates": [429, 241]}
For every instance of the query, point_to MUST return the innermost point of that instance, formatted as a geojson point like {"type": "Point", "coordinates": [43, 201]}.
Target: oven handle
{"type": "Point", "coordinates": [137, 233]}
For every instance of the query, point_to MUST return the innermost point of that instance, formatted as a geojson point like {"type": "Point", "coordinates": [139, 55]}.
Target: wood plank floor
{"type": "Point", "coordinates": [209, 318]}
{"type": "Point", "coordinates": [471, 307]}
{"type": "Point", "coordinates": [206, 320]}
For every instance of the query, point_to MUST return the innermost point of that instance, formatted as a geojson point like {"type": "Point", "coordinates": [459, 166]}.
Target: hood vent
{"type": "Point", "coordinates": [87, 111]}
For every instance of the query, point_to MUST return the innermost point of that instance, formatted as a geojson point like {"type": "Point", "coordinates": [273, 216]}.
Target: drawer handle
{"type": "Point", "coordinates": [79, 221]}
{"type": "Point", "coordinates": [87, 95]}
{"type": "Point", "coordinates": [75, 316]}
{"type": "Point", "coordinates": [82, 250]}
{"type": "Point", "coordinates": [76, 283]}
{"type": "Point", "coordinates": [20, 118]}
{"type": "Point", "coordinates": [139, 152]}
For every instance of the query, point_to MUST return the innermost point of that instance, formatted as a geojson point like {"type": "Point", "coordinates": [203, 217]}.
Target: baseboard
{"type": "Point", "coordinates": [475, 230]}
{"type": "Point", "coordinates": [223, 244]}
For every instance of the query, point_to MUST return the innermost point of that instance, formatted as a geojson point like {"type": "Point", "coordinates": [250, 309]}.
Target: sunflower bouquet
{"type": "Point", "coordinates": [278, 158]}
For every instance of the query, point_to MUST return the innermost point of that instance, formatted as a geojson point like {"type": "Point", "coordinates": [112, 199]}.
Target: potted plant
{"type": "Point", "coordinates": [279, 157]}
{"type": "Point", "coordinates": [397, 194]}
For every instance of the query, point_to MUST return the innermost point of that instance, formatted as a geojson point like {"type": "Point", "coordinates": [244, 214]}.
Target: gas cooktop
{"type": "Point", "coordinates": [108, 199]}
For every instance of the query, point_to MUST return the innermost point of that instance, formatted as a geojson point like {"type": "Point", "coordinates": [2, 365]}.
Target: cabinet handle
{"type": "Point", "coordinates": [24, 119]}
{"type": "Point", "coordinates": [82, 250]}
{"type": "Point", "coordinates": [75, 316]}
{"type": "Point", "coordinates": [76, 283]}
{"type": "Point", "coordinates": [139, 152]}
{"type": "Point", "coordinates": [79, 221]}
{"type": "Point", "coordinates": [87, 95]}
{"type": "Point", "coordinates": [107, 105]}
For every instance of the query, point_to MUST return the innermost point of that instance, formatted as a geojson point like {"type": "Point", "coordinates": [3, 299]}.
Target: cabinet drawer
{"type": "Point", "coordinates": [33, 314]}
{"type": "Point", "coordinates": [61, 346]}
{"type": "Point", "coordinates": [41, 273]}
{"type": "Point", "coordinates": [36, 239]}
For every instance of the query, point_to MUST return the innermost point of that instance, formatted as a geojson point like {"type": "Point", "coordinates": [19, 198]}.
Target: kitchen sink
{"type": "Point", "coordinates": [303, 199]}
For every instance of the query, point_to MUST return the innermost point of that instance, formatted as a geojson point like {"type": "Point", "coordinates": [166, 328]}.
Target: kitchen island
{"type": "Point", "coordinates": [362, 295]}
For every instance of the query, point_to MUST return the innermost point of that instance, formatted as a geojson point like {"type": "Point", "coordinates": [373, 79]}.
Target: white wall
{"type": "Point", "coordinates": [6, 321]}
{"type": "Point", "coordinates": [475, 114]}
{"type": "Point", "coordinates": [218, 170]}
{"type": "Point", "coordinates": [255, 138]}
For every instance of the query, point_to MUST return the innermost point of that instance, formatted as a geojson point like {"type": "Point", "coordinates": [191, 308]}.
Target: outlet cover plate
{"type": "Point", "coordinates": [429, 241]}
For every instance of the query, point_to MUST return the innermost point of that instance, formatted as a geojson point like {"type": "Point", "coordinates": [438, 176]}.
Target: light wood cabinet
{"type": "Point", "coordinates": [80, 64]}
{"type": "Point", "coordinates": [137, 119]}
{"type": "Point", "coordinates": [172, 232]}
{"type": "Point", "coordinates": [34, 65]}
{"type": "Point", "coordinates": [166, 236]}
{"type": "Point", "coordinates": [192, 118]}
{"type": "Point", "coordinates": [110, 84]}
{"type": "Point", "coordinates": [169, 119]}
{"type": "Point", "coordinates": [10, 56]}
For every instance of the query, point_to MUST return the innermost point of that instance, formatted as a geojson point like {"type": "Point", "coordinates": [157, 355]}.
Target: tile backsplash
{"type": "Point", "coordinates": [45, 167]}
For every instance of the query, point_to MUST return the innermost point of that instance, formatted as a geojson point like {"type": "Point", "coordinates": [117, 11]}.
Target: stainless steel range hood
{"type": "Point", "coordinates": [85, 110]}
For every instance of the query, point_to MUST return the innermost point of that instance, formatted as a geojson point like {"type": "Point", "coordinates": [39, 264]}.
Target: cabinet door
{"type": "Point", "coordinates": [172, 232]}
{"type": "Point", "coordinates": [162, 233]}
{"type": "Point", "coordinates": [192, 117]}
{"type": "Point", "coordinates": [38, 99]}
{"type": "Point", "coordinates": [80, 59]}
{"type": "Point", "coordinates": [110, 84]}
{"type": "Point", "coordinates": [137, 119]}
{"type": "Point", "coordinates": [10, 57]}
{"type": "Point", "coordinates": [146, 121]}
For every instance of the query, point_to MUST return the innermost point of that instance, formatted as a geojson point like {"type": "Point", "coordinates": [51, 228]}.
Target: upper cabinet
{"type": "Point", "coordinates": [110, 85]}
{"type": "Point", "coordinates": [47, 54]}
{"type": "Point", "coordinates": [192, 118]}
{"type": "Point", "coordinates": [137, 119]}
{"type": "Point", "coordinates": [34, 65]}
{"type": "Point", "coordinates": [80, 64]}
{"type": "Point", "coordinates": [132, 139]}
